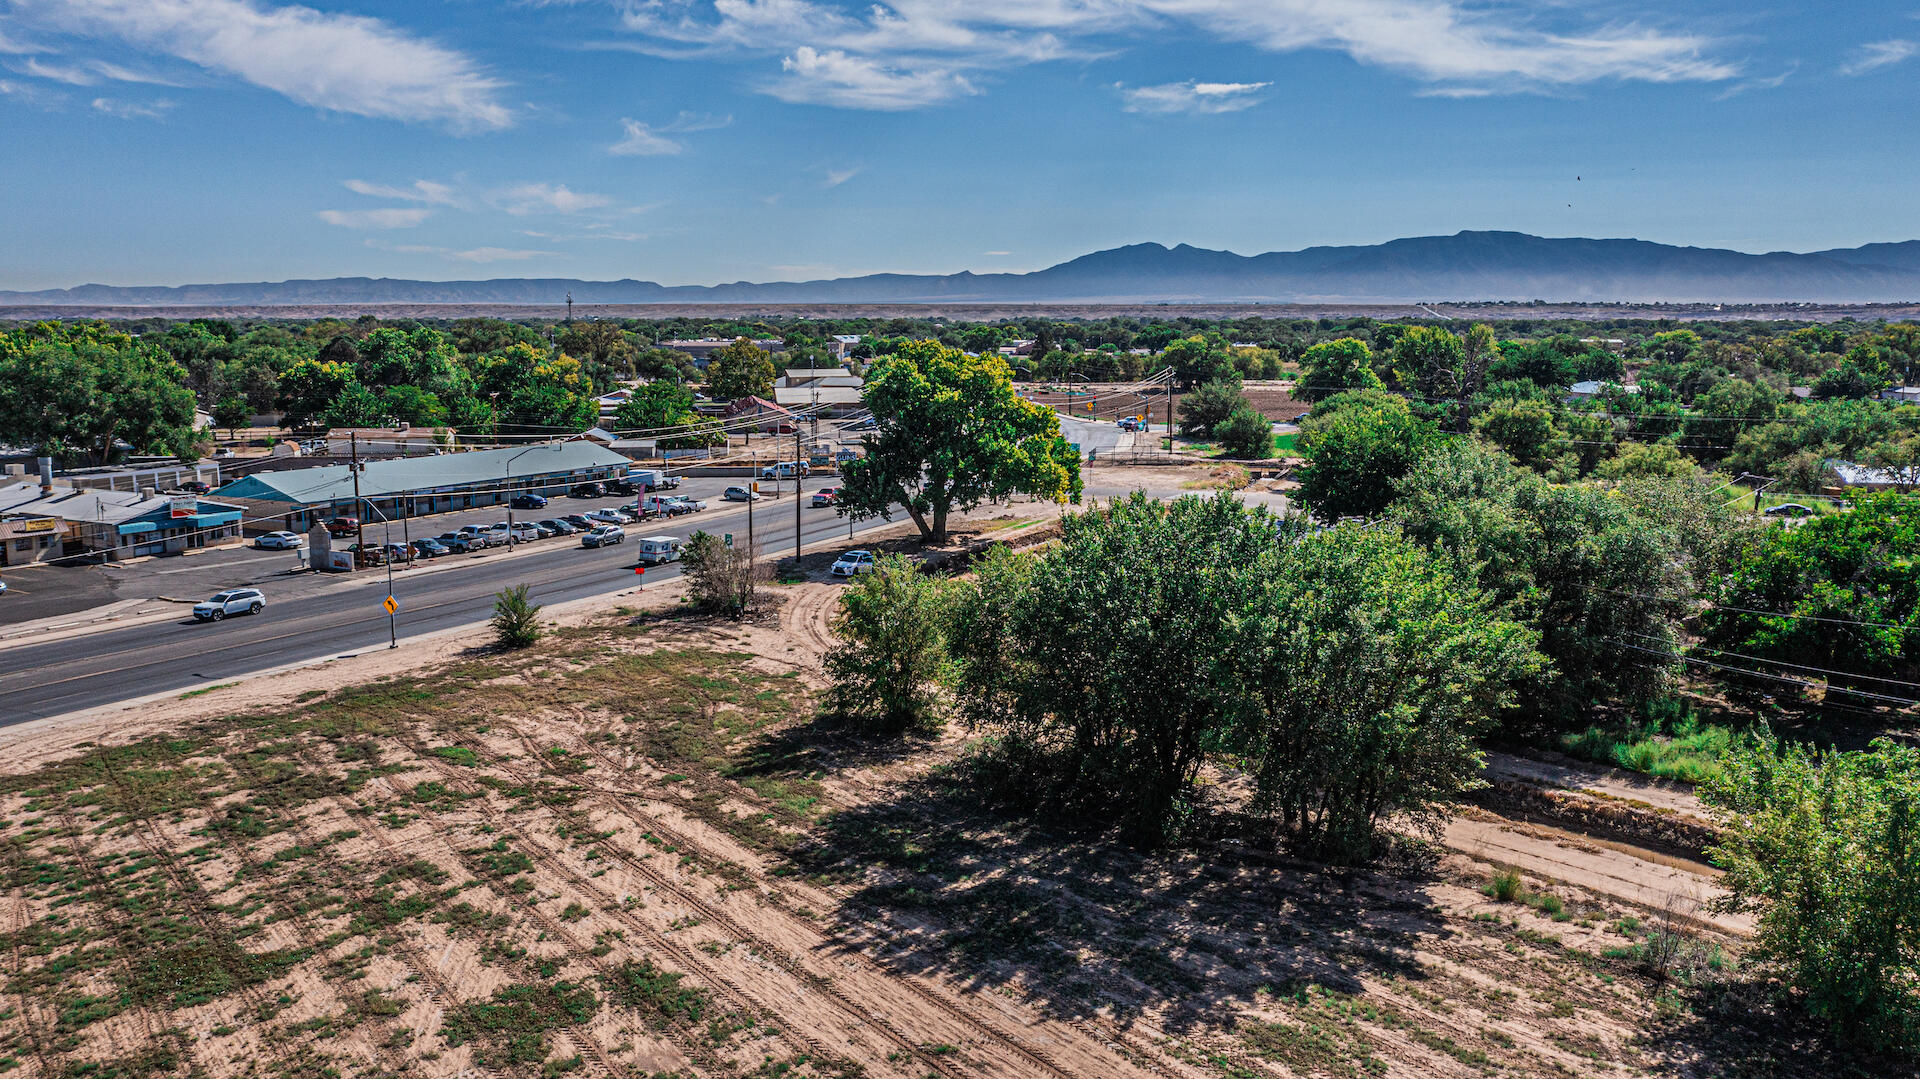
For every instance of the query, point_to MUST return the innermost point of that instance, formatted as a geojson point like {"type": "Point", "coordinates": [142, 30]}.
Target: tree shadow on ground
{"type": "Point", "coordinates": [1744, 1028]}
{"type": "Point", "coordinates": [824, 744]}
{"type": "Point", "coordinates": [1083, 922]}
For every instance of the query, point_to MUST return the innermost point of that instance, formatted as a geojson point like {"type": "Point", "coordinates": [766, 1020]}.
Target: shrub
{"type": "Point", "coordinates": [720, 578]}
{"type": "Point", "coordinates": [1823, 847]}
{"type": "Point", "coordinates": [516, 622]}
{"type": "Point", "coordinates": [893, 648]}
{"type": "Point", "coordinates": [1245, 435]}
{"type": "Point", "coordinates": [1506, 886]}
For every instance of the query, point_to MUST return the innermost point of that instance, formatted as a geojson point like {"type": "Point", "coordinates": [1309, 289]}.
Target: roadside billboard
{"type": "Point", "coordinates": [179, 506]}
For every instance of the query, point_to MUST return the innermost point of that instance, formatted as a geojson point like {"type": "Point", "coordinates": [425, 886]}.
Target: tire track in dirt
{"type": "Point", "coordinates": [18, 919]}
{"type": "Point", "coordinates": [1116, 1040]}
{"type": "Point", "coordinates": [808, 618]}
{"type": "Point", "coordinates": [612, 800]}
{"type": "Point", "coordinates": [689, 1039]}
{"type": "Point", "coordinates": [123, 935]}
{"type": "Point", "coordinates": [860, 1015]}
{"type": "Point", "coordinates": [304, 926]}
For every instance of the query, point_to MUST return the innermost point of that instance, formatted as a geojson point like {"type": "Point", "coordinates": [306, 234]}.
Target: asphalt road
{"type": "Point", "coordinates": [40, 680]}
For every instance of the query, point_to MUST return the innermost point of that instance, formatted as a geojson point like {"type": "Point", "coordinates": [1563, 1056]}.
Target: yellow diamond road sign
{"type": "Point", "coordinates": [391, 604]}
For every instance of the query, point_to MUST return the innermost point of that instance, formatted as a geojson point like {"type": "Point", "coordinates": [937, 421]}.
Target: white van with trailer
{"type": "Point", "coordinates": [656, 550]}
{"type": "Point", "coordinates": [652, 479]}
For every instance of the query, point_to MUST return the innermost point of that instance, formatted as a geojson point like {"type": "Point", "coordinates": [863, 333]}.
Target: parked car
{"type": "Point", "coordinates": [458, 543]}
{"type": "Point", "coordinates": [586, 490]}
{"type": "Point", "coordinates": [653, 479]}
{"type": "Point", "coordinates": [852, 563]}
{"type": "Point", "coordinates": [620, 487]}
{"type": "Point", "coordinates": [545, 532]}
{"type": "Point", "coordinates": [520, 532]}
{"type": "Point", "coordinates": [605, 517]}
{"type": "Point", "coordinates": [686, 504]}
{"type": "Point", "coordinates": [657, 550]}
{"type": "Point", "coordinates": [784, 470]}
{"type": "Point", "coordinates": [374, 556]}
{"type": "Point", "coordinates": [628, 514]}
{"type": "Point", "coordinates": [343, 526]}
{"type": "Point", "coordinates": [826, 496]}
{"type": "Point", "coordinates": [527, 500]}
{"type": "Point", "coordinates": [430, 548]}
{"type": "Point", "coordinates": [278, 541]}
{"type": "Point", "coordinates": [604, 536]}
{"type": "Point", "coordinates": [196, 487]}
{"type": "Point", "coordinates": [1788, 509]}
{"type": "Point", "coordinates": [560, 527]}
{"type": "Point", "coordinates": [738, 494]}
{"type": "Point", "coordinates": [235, 601]}
{"type": "Point", "coordinates": [580, 522]}
{"type": "Point", "coordinates": [479, 537]}
{"type": "Point", "coordinates": [395, 552]}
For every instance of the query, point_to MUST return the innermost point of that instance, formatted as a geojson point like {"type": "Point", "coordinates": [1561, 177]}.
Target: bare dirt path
{"type": "Point", "coordinates": [1597, 780]}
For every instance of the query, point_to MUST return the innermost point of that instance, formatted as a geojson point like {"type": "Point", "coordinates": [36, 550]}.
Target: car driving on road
{"type": "Point", "coordinates": [234, 601]}
{"type": "Point", "coordinates": [278, 541]}
{"type": "Point", "coordinates": [853, 563]}
{"type": "Point", "coordinates": [604, 536]}
{"type": "Point", "coordinates": [826, 496]}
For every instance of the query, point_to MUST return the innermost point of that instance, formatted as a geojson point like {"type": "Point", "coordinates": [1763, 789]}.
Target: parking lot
{"type": "Point", "coordinates": [51, 591]}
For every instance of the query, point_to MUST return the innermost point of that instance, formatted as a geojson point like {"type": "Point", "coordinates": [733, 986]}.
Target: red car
{"type": "Point", "coordinates": [826, 496]}
{"type": "Point", "coordinates": [344, 526]}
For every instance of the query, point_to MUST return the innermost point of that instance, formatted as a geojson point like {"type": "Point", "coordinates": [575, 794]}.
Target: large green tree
{"type": "Point", "coordinates": [950, 433]}
{"type": "Point", "coordinates": [892, 627]}
{"type": "Point", "coordinates": [742, 369]}
{"type": "Point", "coordinates": [1333, 367]}
{"type": "Point", "coordinates": [1357, 453]}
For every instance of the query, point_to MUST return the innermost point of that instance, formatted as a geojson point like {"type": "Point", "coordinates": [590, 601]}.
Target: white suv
{"type": "Point", "coordinates": [853, 563]}
{"type": "Point", "coordinates": [235, 601]}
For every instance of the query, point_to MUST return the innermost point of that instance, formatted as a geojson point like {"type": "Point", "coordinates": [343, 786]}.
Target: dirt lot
{"type": "Point", "coordinates": [1273, 401]}
{"type": "Point", "coordinates": [632, 851]}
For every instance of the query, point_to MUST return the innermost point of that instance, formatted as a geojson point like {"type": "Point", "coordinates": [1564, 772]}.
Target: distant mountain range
{"type": "Point", "coordinates": [1463, 267]}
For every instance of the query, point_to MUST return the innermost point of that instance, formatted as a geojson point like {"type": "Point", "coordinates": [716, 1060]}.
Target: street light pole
{"type": "Point", "coordinates": [554, 446]}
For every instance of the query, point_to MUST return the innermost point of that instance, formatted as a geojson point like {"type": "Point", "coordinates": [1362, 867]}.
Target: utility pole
{"type": "Point", "coordinates": [1169, 415]}
{"type": "Point", "coordinates": [393, 634]}
{"type": "Point", "coordinates": [359, 511]}
{"type": "Point", "coordinates": [796, 495]}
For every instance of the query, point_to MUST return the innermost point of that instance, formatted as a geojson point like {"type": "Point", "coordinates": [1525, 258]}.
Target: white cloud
{"type": "Point", "coordinates": [89, 73]}
{"type": "Point", "coordinates": [836, 177]}
{"type": "Point", "coordinates": [13, 47]}
{"type": "Point", "coordinates": [997, 254]}
{"type": "Point", "coordinates": [642, 141]}
{"type": "Point", "coordinates": [1879, 54]}
{"type": "Point", "coordinates": [32, 94]}
{"type": "Point", "coordinates": [533, 198]}
{"type": "Point", "coordinates": [834, 77]}
{"type": "Point", "coordinates": [913, 53]}
{"type": "Point", "coordinates": [341, 63]}
{"type": "Point", "coordinates": [646, 140]}
{"type": "Point", "coordinates": [1193, 98]}
{"type": "Point", "coordinates": [427, 191]}
{"type": "Point", "coordinates": [387, 218]}
{"type": "Point", "coordinates": [133, 110]}
{"type": "Point", "coordinates": [497, 254]}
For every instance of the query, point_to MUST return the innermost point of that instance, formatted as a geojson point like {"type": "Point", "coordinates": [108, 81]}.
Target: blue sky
{"type": "Point", "coordinates": [697, 141]}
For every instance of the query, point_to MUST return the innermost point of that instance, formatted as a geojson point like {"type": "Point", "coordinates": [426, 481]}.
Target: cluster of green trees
{"type": "Point", "coordinates": [1347, 672]}
{"type": "Point", "coordinates": [80, 392]}
{"type": "Point", "coordinates": [1219, 409]}
{"type": "Point", "coordinates": [1740, 405]}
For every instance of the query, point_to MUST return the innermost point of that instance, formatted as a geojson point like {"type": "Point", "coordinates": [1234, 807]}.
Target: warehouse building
{"type": "Point", "coordinates": [295, 498]}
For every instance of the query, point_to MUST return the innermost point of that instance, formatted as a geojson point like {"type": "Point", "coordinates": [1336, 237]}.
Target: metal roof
{"type": "Point", "coordinates": [399, 475]}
